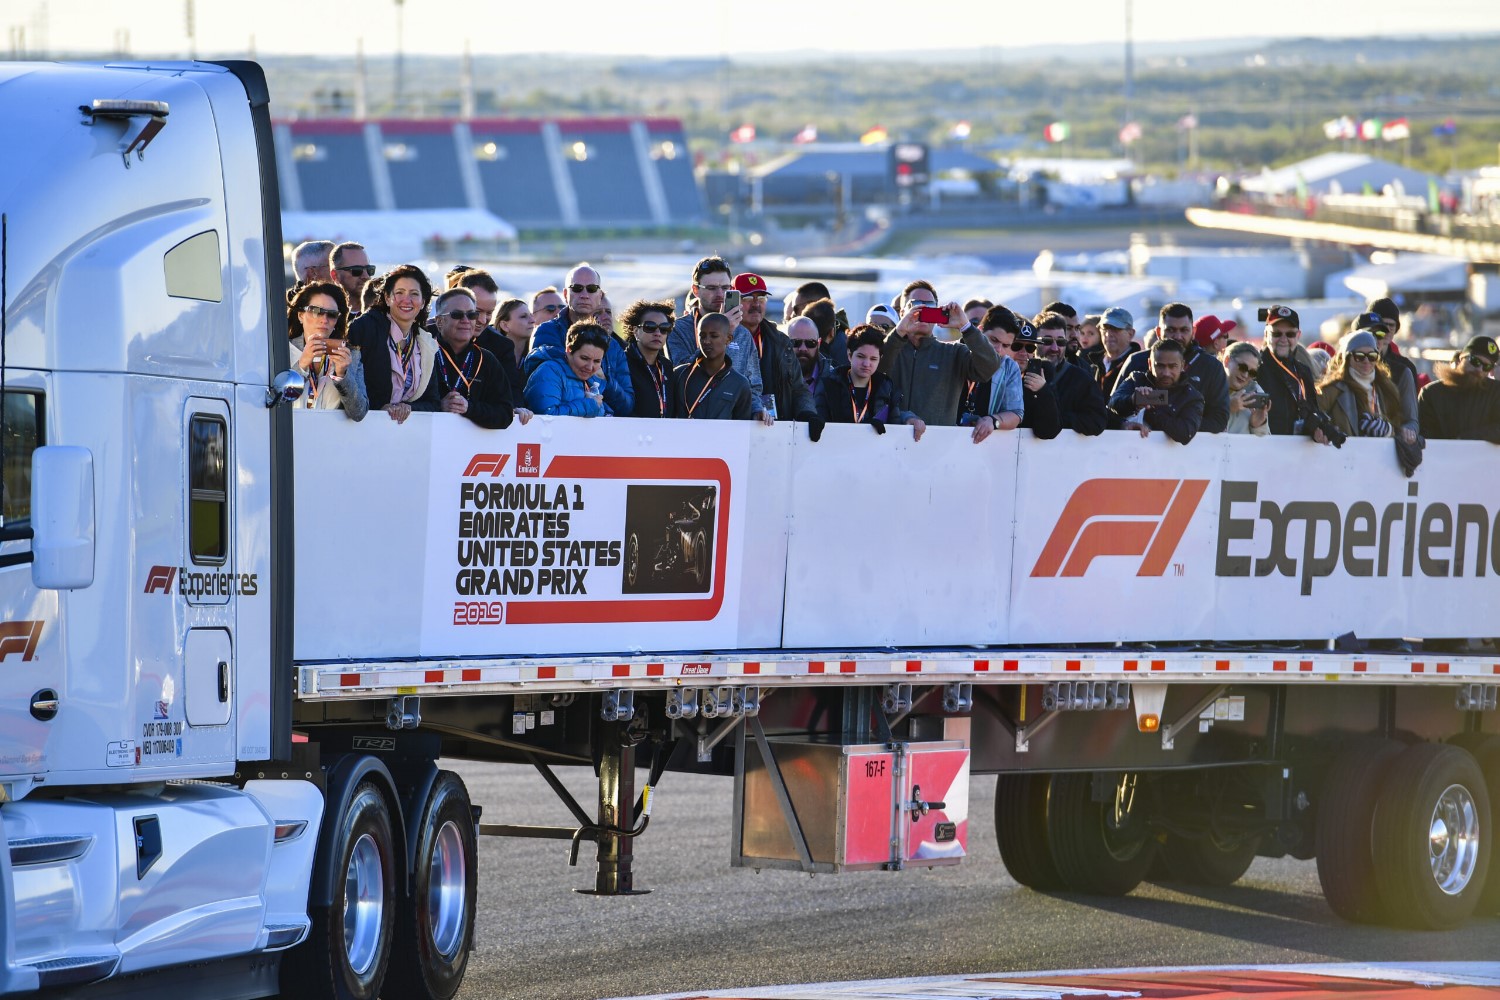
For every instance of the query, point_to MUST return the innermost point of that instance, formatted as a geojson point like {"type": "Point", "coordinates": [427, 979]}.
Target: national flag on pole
{"type": "Point", "coordinates": [960, 131]}
{"type": "Point", "coordinates": [1395, 130]}
{"type": "Point", "coordinates": [1446, 127]}
{"type": "Point", "coordinates": [1369, 129]}
{"type": "Point", "coordinates": [745, 133]}
{"type": "Point", "coordinates": [1340, 128]}
{"type": "Point", "coordinates": [809, 133]}
{"type": "Point", "coordinates": [1187, 122]}
{"type": "Point", "coordinates": [1130, 133]}
{"type": "Point", "coordinates": [878, 134]}
{"type": "Point", "coordinates": [1056, 132]}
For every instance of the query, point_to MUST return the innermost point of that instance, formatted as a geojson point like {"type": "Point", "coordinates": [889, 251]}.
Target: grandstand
{"type": "Point", "coordinates": [534, 174]}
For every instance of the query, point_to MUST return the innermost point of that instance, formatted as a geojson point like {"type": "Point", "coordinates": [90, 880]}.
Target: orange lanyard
{"type": "Point", "coordinates": [1296, 380]}
{"type": "Point", "coordinates": [706, 385]}
{"type": "Point", "coordinates": [859, 415]}
{"type": "Point", "coordinates": [457, 370]}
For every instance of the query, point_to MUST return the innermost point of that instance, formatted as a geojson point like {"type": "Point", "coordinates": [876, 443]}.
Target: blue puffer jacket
{"type": "Point", "coordinates": [548, 343]}
{"type": "Point", "coordinates": [553, 388]}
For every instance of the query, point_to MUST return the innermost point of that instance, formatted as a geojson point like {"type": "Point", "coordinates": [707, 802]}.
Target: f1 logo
{"type": "Point", "coordinates": [160, 579]}
{"type": "Point", "coordinates": [1121, 517]}
{"type": "Point", "coordinates": [19, 637]}
{"type": "Point", "coordinates": [481, 464]}
{"type": "Point", "coordinates": [530, 462]}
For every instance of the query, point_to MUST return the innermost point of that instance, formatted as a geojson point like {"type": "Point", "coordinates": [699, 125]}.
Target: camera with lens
{"type": "Point", "coordinates": [1315, 418]}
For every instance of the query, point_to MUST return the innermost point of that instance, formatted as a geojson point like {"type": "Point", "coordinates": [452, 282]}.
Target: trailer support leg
{"type": "Point", "coordinates": [616, 855]}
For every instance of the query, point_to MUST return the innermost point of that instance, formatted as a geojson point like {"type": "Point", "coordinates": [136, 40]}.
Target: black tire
{"type": "Point", "coordinates": [1344, 834]}
{"type": "Point", "coordinates": [1021, 828]}
{"type": "Point", "coordinates": [435, 930]}
{"type": "Point", "coordinates": [1486, 750]}
{"type": "Point", "coordinates": [1103, 848]}
{"type": "Point", "coordinates": [700, 557]}
{"type": "Point", "coordinates": [1431, 783]}
{"type": "Point", "coordinates": [1203, 860]}
{"type": "Point", "coordinates": [323, 966]}
{"type": "Point", "coordinates": [632, 559]}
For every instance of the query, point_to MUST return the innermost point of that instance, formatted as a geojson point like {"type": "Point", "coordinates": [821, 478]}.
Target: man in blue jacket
{"type": "Point", "coordinates": [584, 294]}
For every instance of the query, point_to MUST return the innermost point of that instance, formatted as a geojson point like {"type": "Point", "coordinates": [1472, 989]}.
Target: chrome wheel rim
{"type": "Point", "coordinates": [1124, 834]}
{"type": "Point", "coordinates": [447, 890]}
{"type": "Point", "coordinates": [1453, 839]}
{"type": "Point", "coordinates": [364, 905]}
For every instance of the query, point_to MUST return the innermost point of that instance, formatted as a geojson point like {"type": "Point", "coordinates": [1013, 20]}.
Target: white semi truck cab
{"type": "Point", "coordinates": [237, 636]}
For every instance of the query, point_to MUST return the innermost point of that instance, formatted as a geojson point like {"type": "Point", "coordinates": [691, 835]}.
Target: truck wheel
{"type": "Point", "coordinates": [435, 925]}
{"type": "Point", "coordinates": [1486, 750]}
{"type": "Point", "coordinates": [1343, 839]}
{"type": "Point", "coordinates": [1432, 840]}
{"type": "Point", "coordinates": [349, 946]}
{"type": "Point", "coordinates": [1204, 860]}
{"type": "Point", "coordinates": [1021, 828]}
{"type": "Point", "coordinates": [1103, 848]}
{"type": "Point", "coordinates": [632, 559]}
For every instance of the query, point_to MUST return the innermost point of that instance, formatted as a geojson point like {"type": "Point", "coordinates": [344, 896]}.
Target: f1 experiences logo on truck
{"type": "Point", "coordinates": [1303, 539]}
{"type": "Point", "coordinates": [193, 583]}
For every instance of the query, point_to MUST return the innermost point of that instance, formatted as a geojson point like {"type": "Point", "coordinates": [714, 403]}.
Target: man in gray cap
{"type": "Point", "coordinates": [1117, 337]}
{"type": "Point", "coordinates": [1464, 401]}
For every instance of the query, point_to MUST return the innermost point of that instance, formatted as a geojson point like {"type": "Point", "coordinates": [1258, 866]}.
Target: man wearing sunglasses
{"type": "Point", "coordinates": [585, 293]}
{"type": "Point", "coordinates": [466, 379]}
{"type": "Point", "coordinates": [351, 268]}
{"type": "Point", "coordinates": [1080, 404]}
{"type": "Point", "coordinates": [1463, 402]}
{"type": "Point", "coordinates": [1382, 320]}
{"type": "Point", "coordinates": [780, 373]}
{"type": "Point", "coordinates": [812, 363]}
{"type": "Point", "coordinates": [1002, 402]}
{"type": "Point", "coordinates": [1203, 368]}
{"type": "Point", "coordinates": [1286, 380]}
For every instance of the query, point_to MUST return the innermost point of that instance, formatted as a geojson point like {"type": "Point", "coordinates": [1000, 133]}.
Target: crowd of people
{"type": "Point", "coordinates": [395, 343]}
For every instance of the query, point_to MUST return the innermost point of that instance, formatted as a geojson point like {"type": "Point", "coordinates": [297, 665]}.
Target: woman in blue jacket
{"type": "Point", "coordinates": [573, 386]}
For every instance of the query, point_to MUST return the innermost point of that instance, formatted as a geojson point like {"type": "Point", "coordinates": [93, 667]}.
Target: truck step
{"type": "Point", "coordinates": [48, 850]}
{"type": "Point", "coordinates": [74, 971]}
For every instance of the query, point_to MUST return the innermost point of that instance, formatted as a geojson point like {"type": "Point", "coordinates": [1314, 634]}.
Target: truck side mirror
{"type": "Point", "coordinates": [62, 517]}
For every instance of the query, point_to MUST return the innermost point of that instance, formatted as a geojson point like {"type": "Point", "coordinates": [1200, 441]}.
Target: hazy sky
{"type": "Point", "coordinates": [710, 28]}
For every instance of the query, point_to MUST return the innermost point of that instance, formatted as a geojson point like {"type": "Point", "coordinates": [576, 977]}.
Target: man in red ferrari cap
{"type": "Point", "coordinates": [780, 373]}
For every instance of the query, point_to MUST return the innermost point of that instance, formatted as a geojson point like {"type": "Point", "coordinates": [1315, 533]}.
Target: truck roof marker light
{"type": "Point", "coordinates": [1149, 701]}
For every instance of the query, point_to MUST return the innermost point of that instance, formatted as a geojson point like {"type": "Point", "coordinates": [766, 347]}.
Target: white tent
{"type": "Point", "coordinates": [1410, 274]}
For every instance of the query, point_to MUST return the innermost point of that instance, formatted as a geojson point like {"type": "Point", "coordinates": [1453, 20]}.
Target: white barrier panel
{"type": "Point", "coordinates": [900, 542]}
{"type": "Point", "coordinates": [436, 538]}
{"type": "Point", "coordinates": [564, 536]}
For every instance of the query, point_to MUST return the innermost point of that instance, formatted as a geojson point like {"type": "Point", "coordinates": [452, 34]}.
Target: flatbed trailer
{"type": "Point", "coordinates": [238, 638]}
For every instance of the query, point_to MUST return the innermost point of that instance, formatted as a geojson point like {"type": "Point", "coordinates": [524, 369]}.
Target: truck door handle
{"type": "Point", "coordinates": [919, 808]}
{"type": "Point", "coordinates": [44, 705]}
{"type": "Point", "coordinates": [223, 682]}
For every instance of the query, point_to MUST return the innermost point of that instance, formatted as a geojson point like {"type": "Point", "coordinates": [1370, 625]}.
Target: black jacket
{"type": "Point", "coordinates": [781, 375]}
{"type": "Point", "coordinates": [487, 389]}
{"type": "Point", "coordinates": [727, 398]}
{"type": "Point", "coordinates": [1180, 418]}
{"type": "Point", "coordinates": [1287, 393]}
{"type": "Point", "coordinates": [835, 400]}
{"type": "Point", "coordinates": [1452, 409]}
{"type": "Point", "coordinates": [499, 345]}
{"type": "Point", "coordinates": [1080, 401]}
{"type": "Point", "coordinates": [1040, 412]}
{"type": "Point", "coordinates": [1106, 377]}
{"type": "Point", "coordinates": [1207, 373]}
{"type": "Point", "coordinates": [651, 383]}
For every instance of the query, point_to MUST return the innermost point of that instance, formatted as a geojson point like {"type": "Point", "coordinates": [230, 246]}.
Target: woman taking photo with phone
{"type": "Point", "coordinates": [317, 322]}
{"type": "Point", "coordinates": [1249, 405]}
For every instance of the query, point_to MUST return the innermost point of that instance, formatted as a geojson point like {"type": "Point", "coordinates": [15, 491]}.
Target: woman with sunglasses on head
{"type": "Point", "coordinates": [396, 348]}
{"type": "Point", "coordinates": [647, 325]}
{"type": "Point", "coordinates": [1357, 391]}
{"type": "Point", "coordinates": [1249, 405]}
{"type": "Point", "coordinates": [317, 322]}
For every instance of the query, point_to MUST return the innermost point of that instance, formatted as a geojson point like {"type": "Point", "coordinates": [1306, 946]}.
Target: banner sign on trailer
{"type": "Point", "coordinates": [593, 537]}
